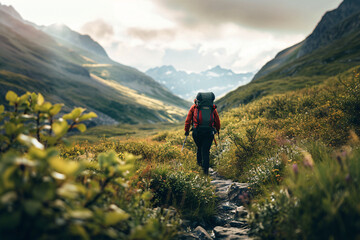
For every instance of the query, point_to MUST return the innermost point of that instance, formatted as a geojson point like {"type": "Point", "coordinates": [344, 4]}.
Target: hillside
{"type": "Point", "coordinates": [308, 63]}
{"type": "Point", "coordinates": [187, 85]}
{"type": "Point", "coordinates": [72, 68]}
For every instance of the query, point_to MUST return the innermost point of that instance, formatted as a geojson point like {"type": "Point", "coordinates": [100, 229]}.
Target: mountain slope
{"type": "Point", "coordinates": [32, 60]}
{"type": "Point", "coordinates": [187, 85]}
{"type": "Point", "coordinates": [306, 64]}
{"type": "Point", "coordinates": [102, 66]}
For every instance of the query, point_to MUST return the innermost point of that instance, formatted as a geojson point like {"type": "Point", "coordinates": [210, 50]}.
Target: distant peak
{"type": "Point", "coordinates": [164, 68]}
{"type": "Point", "coordinates": [10, 10]}
{"type": "Point", "coordinates": [59, 27]}
{"type": "Point", "coordinates": [219, 70]}
{"type": "Point", "coordinates": [168, 67]}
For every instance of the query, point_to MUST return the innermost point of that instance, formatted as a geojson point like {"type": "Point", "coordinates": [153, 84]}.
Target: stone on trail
{"type": "Point", "coordinates": [241, 212]}
{"type": "Point", "coordinates": [222, 232]}
{"type": "Point", "coordinates": [201, 233]}
{"type": "Point", "coordinates": [238, 224]}
{"type": "Point", "coordinates": [186, 236]}
{"type": "Point", "coordinates": [238, 193]}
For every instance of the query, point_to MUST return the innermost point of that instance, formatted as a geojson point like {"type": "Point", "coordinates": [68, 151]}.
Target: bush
{"type": "Point", "coordinates": [249, 147]}
{"type": "Point", "coordinates": [44, 196]}
{"type": "Point", "coordinates": [320, 201]}
{"type": "Point", "coordinates": [189, 192]}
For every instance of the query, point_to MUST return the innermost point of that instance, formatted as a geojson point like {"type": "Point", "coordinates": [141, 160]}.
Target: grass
{"type": "Point", "coordinates": [33, 61]}
{"type": "Point", "coordinates": [313, 69]}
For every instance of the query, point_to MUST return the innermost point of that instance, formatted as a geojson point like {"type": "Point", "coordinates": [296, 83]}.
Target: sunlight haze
{"type": "Point", "coordinates": [190, 35]}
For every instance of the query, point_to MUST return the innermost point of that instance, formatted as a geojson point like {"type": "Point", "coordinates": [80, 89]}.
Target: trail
{"type": "Point", "coordinates": [229, 223]}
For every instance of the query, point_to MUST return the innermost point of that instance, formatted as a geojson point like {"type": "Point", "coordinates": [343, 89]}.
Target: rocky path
{"type": "Point", "coordinates": [230, 221]}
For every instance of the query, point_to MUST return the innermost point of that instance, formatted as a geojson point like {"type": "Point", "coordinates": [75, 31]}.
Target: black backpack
{"type": "Point", "coordinates": [205, 105]}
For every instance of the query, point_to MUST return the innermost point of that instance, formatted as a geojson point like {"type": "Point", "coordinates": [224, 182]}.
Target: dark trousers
{"type": "Point", "coordinates": [203, 140]}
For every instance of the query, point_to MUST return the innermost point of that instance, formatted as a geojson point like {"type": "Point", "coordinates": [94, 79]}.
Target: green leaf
{"type": "Point", "coordinates": [23, 98]}
{"type": "Point", "coordinates": [10, 128]}
{"type": "Point", "coordinates": [40, 99]}
{"type": "Point", "coordinates": [11, 96]}
{"type": "Point", "coordinates": [81, 127]}
{"type": "Point", "coordinates": [29, 141]}
{"type": "Point", "coordinates": [60, 128]}
{"type": "Point", "coordinates": [8, 183]}
{"type": "Point", "coordinates": [34, 98]}
{"type": "Point", "coordinates": [87, 116]}
{"type": "Point", "coordinates": [8, 197]}
{"type": "Point", "coordinates": [108, 159]}
{"type": "Point", "coordinates": [112, 218]}
{"type": "Point", "coordinates": [2, 108]}
{"type": "Point", "coordinates": [69, 190]}
{"type": "Point", "coordinates": [74, 114]}
{"type": "Point", "coordinates": [81, 214]}
{"type": "Point", "coordinates": [55, 109]}
{"type": "Point", "coordinates": [45, 107]}
{"type": "Point", "coordinates": [32, 207]}
{"type": "Point", "coordinates": [78, 230]}
{"type": "Point", "coordinates": [63, 166]}
{"type": "Point", "coordinates": [44, 191]}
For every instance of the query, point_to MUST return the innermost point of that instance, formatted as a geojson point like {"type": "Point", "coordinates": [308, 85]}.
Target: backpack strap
{"type": "Point", "coordinates": [198, 116]}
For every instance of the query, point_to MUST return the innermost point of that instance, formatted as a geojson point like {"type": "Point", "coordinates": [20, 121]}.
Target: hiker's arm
{"type": "Point", "coordinates": [217, 120]}
{"type": "Point", "coordinates": [189, 119]}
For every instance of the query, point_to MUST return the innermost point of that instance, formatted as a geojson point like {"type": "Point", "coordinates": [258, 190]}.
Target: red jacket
{"type": "Point", "coordinates": [192, 118]}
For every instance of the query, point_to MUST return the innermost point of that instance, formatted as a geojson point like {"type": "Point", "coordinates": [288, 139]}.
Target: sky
{"type": "Point", "coordinates": [191, 35]}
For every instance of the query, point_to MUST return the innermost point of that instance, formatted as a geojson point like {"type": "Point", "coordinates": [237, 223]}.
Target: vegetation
{"type": "Point", "coordinates": [52, 191]}
{"type": "Point", "coordinates": [300, 153]}
{"type": "Point", "coordinates": [301, 73]}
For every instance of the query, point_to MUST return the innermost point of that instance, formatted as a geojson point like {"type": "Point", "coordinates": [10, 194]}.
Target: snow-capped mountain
{"type": "Point", "coordinates": [186, 85]}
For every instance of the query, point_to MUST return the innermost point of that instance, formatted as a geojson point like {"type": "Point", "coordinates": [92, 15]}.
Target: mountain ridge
{"type": "Point", "coordinates": [290, 70]}
{"type": "Point", "coordinates": [186, 85]}
{"type": "Point", "coordinates": [32, 60]}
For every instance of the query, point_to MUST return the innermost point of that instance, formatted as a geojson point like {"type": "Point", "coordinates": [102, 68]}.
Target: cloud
{"type": "Point", "coordinates": [283, 15]}
{"type": "Point", "coordinates": [98, 29]}
{"type": "Point", "coordinates": [150, 34]}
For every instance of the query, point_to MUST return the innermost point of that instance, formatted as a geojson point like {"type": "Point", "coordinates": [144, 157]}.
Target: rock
{"type": "Point", "coordinates": [220, 220]}
{"type": "Point", "coordinates": [222, 232]}
{"type": "Point", "coordinates": [201, 233]}
{"type": "Point", "coordinates": [186, 236]}
{"type": "Point", "coordinates": [227, 206]}
{"type": "Point", "coordinates": [241, 212]}
{"type": "Point", "coordinates": [222, 187]}
{"type": "Point", "coordinates": [238, 224]}
{"type": "Point", "coordinates": [236, 237]}
{"type": "Point", "coordinates": [238, 193]}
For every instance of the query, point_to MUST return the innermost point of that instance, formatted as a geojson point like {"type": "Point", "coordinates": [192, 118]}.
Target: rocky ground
{"type": "Point", "coordinates": [230, 221]}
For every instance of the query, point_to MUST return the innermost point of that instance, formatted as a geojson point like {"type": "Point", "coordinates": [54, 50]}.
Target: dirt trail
{"type": "Point", "coordinates": [230, 221]}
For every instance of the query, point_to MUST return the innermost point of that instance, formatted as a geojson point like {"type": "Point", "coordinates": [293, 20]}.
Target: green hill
{"type": "Point", "coordinates": [308, 62]}
{"type": "Point", "coordinates": [65, 70]}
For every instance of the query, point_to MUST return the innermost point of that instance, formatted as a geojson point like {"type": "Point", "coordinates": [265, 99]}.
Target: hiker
{"type": "Point", "coordinates": [206, 123]}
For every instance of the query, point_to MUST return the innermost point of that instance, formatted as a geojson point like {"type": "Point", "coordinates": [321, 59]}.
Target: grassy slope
{"type": "Point", "coordinates": [287, 72]}
{"type": "Point", "coordinates": [108, 69]}
{"type": "Point", "coordinates": [307, 71]}
{"type": "Point", "coordinates": [31, 60]}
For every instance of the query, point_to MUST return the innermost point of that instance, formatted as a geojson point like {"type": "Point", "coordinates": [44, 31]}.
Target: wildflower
{"type": "Point", "coordinates": [348, 178]}
{"type": "Point", "coordinates": [295, 169]}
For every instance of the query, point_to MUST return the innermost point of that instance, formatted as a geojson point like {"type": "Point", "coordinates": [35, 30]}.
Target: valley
{"type": "Point", "coordinates": [94, 149]}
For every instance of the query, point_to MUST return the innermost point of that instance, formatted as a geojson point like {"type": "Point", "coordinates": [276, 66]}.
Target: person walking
{"type": "Point", "coordinates": [205, 120]}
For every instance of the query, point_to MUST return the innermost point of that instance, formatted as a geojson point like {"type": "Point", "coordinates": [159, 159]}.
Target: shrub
{"type": "Point", "coordinates": [249, 147]}
{"type": "Point", "coordinates": [44, 196]}
{"type": "Point", "coordinates": [189, 192]}
{"type": "Point", "coordinates": [320, 201]}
